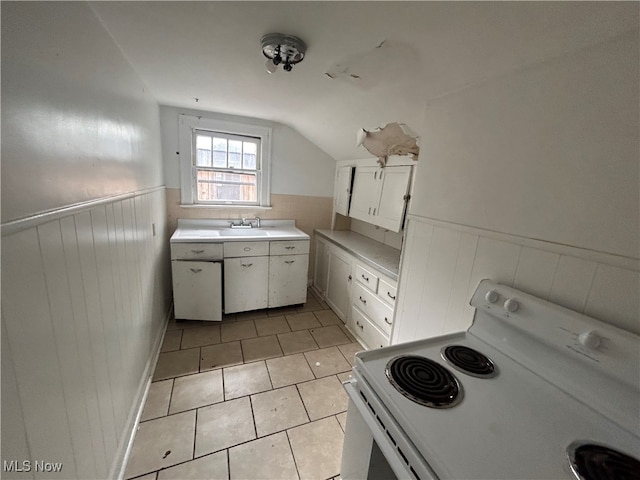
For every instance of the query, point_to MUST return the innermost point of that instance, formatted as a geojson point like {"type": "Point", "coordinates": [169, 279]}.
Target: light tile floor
{"type": "Point", "coordinates": [257, 396]}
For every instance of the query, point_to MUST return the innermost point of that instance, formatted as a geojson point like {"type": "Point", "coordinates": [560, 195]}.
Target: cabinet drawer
{"type": "Point", "coordinates": [379, 312]}
{"type": "Point", "coordinates": [387, 292]}
{"type": "Point", "coordinates": [245, 249]}
{"type": "Point", "coordinates": [196, 251]}
{"type": "Point", "coordinates": [366, 278]}
{"type": "Point", "coordinates": [367, 331]}
{"type": "Point", "coordinates": [289, 247]}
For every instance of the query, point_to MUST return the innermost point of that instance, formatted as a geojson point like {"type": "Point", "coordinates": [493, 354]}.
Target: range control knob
{"type": "Point", "coordinates": [491, 296]}
{"type": "Point", "coordinates": [590, 339]}
{"type": "Point", "coordinates": [511, 305]}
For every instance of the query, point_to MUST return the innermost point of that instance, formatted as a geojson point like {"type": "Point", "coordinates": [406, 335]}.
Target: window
{"type": "Point", "coordinates": [227, 167]}
{"type": "Point", "coordinates": [224, 163]}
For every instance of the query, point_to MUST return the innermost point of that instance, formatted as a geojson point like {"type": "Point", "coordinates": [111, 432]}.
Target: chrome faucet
{"type": "Point", "coordinates": [257, 222]}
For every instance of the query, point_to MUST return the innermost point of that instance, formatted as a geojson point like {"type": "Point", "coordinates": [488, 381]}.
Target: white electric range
{"type": "Point", "coordinates": [541, 392]}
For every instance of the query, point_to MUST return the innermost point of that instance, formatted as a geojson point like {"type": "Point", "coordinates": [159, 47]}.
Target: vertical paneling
{"type": "Point", "coordinates": [443, 263]}
{"type": "Point", "coordinates": [535, 271]}
{"type": "Point", "coordinates": [411, 282]}
{"type": "Point", "coordinates": [84, 298]}
{"type": "Point", "coordinates": [614, 297]}
{"type": "Point", "coordinates": [441, 267]}
{"type": "Point", "coordinates": [88, 266]}
{"type": "Point", "coordinates": [86, 368]}
{"type": "Point", "coordinates": [495, 259]}
{"type": "Point", "coordinates": [126, 380]}
{"type": "Point", "coordinates": [109, 324]}
{"type": "Point", "coordinates": [460, 313]}
{"type": "Point", "coordinates": [28, 322]}
{"type": "Point", "coordinates": [14, 435]}
{"type": "Point", "coordinates": [65, 343]}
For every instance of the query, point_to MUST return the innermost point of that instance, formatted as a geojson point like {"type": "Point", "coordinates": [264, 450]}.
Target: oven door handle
{"type": "Point", "coordinates": [380, 436]}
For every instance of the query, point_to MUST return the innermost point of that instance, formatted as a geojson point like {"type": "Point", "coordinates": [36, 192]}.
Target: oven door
{"type": "Point", "coordinates": [374, 446]}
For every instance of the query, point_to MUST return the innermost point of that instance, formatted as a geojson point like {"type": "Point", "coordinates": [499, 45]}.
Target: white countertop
{"type": "Point", "coordinates": [217, 231]}
{"type": "Point", "coordinates": [384, 258]}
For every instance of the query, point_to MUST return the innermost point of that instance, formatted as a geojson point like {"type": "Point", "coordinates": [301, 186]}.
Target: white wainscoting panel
{"type": "Point", "coordinates": [85, 294]}
{"type": "Point", "coordinates": [442, 264]}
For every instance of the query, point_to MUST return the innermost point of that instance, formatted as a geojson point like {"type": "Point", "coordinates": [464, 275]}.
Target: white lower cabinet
{"type": "Point", "coordinates": [321, 270]}
{"type": "Point", "coordinates": [246, 283]}
{"type": "Point", "coordinates": [265, 274]}
{"type": "Point", "coordinates": [339, 282]}
{"type": "Point", "coordinates": [196, 290]}
{"type": "Point", "coordinates": [286, 275]}
{"type": "Point", "coordinates": [358, 293]}
{"type": "Point", "coordinates": [366, 331]}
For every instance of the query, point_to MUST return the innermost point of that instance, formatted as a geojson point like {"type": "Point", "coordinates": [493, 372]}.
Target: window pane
{"type": "Point", "coordinates": [220, 152]}
{"type": "Point", "coordinates": [226, 187]}
{"type": "Point", "coordinates": [235, 154]}
{"type": "Point", "coordinates": [203, 151]}
{"type": "Point", "coordinates": [249, 155]}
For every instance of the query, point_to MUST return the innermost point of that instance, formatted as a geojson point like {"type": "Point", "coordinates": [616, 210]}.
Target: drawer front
{"type": "Point", "coordinates": [245, 249]}
{"type": "Point", "coordinates": [387, 292]}
{"type": "Point", "coordinates": [289, 247]}
{"type": "Point", "coordinates": [366, 278]}
{"type": "Point", "coordinates": [367, 331]}
{"type": "Point", "coordinates": [379, 312]}
{"type": "Point", "coordinates": [196, 251]}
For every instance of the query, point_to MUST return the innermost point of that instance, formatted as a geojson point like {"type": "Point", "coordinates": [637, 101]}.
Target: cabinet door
{"type": "Point", "coordinates": [246, 283]}
{"type": "Point", "coordinates": [342, 193]}
{"type": "Point", "coordinates": [395, 186]}
{"type": "Point", "coordinates": [339, 282]}
{"type": "Point", "coordinates": [366, 192]}
{"type": "Point", "coordinates": [197, 290]}
{"type": "Point", "coordinates": [288, 280]}
{"type": "Point", "coordinates": [321, 270]}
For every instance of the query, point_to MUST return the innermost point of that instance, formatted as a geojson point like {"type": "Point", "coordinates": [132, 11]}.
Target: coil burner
{"type": "Point", "coordinates": [597, 462]}
{"type": "Point", "coordinates": [424, 381]}
{"type": "Point", "coordinates": [469, 361]}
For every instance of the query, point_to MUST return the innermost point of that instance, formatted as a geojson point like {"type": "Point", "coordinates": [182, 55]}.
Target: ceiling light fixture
{"type": "Point", "coordinates": [282, 49]}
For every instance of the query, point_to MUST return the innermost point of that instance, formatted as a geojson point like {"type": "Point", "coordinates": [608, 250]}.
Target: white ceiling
{"type": "Point", "coordinates": [211, 51]}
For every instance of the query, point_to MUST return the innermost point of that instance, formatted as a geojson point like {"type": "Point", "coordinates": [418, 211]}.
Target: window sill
{"type": "Point", "coordinates": [224, 207]}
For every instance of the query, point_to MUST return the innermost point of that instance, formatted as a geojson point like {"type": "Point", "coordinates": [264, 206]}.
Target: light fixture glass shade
{"type": "Point", "coordinates": [270, 66]}
{"type": "Point", "coordinates": [280, 48]}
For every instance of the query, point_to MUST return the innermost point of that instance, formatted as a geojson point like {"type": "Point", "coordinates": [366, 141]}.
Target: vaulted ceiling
{"type": "Point", "coordinates": [207, 55]}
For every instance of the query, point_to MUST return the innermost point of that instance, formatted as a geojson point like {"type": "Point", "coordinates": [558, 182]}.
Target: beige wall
{"type": "Point", "coordinates": [309, 213]}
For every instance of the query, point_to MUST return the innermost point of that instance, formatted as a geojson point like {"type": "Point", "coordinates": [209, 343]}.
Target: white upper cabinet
{"type": "Point", "coordinates": [393, 197]}
{"type": "Point", "coordinates": [342, 196]}
{"type": "Point", "coordinates": [380, 194]}
{"type": "Point", "coordinates": [366, 193]}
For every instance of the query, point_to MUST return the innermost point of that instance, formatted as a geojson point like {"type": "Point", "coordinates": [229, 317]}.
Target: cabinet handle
{"type": "Point", "coordinates": [246, 264]}
{"type": "Point", "coordinates": [289, 248]}
{"type": "Point", "coordinates": [374, 211]}
{"type": "Point", "coordinates": [197, 251]}
{"type": "Point", "coordinates": [247, 249]}
{"type": "Point", "coordinates": [369, 210]}
{"type": "Point", "coordinates": [386, 320]}
{"type": "Point", "coordinates": [366, 279]}
{"type": "Point", "coordinates": [363, 300]}
{"type": "Point", "coordinates": [350, 278]}
{"type": "Point", "coordinates": [196, 270]}
{"type": "Point", "coordinates": [289, 262]}
{"type": "Point", "coordinates": [392, 297]}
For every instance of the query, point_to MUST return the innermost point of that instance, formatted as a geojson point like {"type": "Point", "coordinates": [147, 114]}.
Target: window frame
{"type": "Point", "coordinates": [188, 169]}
